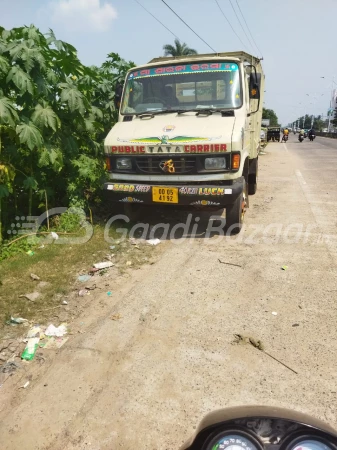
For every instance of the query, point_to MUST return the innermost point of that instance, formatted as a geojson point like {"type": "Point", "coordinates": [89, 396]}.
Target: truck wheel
{"type": "Point", "coordinates": [235, 213]}
{"type": "Point", "coordinates": [132, 211]}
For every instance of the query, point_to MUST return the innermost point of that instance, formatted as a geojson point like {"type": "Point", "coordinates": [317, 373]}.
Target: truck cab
{"type": "Point", "coordinates": [188, 133]}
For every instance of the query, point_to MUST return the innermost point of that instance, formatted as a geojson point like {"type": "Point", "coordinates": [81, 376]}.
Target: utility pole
{"type": "Point", "coordinates": [330, 109]}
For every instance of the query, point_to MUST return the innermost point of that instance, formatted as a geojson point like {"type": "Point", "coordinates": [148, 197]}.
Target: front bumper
{"type": "Point", "coordinates": [188, 194]}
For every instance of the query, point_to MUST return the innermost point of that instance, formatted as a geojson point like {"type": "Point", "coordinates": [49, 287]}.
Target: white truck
{"type": "Point", "coordinates": [188, 133]}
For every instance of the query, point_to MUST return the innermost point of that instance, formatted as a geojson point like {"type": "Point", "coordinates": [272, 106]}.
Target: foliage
{"type": "Point", "coordinates": [318, 123]}
{"type": "Point", "coordinates": [270, 114]}
{"type": "Point", "coordinates": [178, 49]}
{"type": "Point", "coordinates": [54, 115]}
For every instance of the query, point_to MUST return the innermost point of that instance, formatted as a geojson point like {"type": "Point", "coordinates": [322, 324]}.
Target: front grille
{"type": "Point", "coordinates": [151, 164]}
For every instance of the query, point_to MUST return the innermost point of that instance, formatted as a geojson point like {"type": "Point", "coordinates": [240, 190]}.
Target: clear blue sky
{"type": "Point", "coordinates": [297, 37]}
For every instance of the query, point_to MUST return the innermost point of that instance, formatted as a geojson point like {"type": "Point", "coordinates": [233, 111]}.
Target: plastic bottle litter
{"type": "Point", "coordinates": [30, 253]}
{"type": "Point", "coordinates": [103, 265]}
{"type": "Point", "coordinates": [30, 349]}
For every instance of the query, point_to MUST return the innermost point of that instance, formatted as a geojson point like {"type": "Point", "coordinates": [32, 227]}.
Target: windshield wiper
{"type": "Point", "coordinates": [209, 111]}
{"type": "Point", "coordinates": [199, 111]}
{"type": "Point", "coordinates": [155, 113]}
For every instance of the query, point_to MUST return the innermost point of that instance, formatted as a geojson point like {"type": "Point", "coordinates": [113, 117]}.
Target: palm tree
{"type": "Point", "coordinates": [178, 49]}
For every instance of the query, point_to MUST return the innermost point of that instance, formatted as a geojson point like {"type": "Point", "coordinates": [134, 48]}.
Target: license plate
{"type": "Point", "coordinates": [164, 194]}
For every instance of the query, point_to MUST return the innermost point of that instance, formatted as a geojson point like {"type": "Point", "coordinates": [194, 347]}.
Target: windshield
{"type": "Point", "coordinates": [183, 87]}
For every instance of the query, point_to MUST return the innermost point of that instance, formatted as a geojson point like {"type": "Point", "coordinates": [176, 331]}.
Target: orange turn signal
{"type": "Point", "coordinates": [108, 163]}
{"type": "Point", "coordinates": [236, 161]}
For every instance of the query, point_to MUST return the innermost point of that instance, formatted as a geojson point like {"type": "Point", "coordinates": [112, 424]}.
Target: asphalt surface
{"type": "Point", "coordinates": [146, 380]}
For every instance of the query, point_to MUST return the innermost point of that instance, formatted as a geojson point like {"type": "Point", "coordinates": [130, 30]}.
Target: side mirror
{"type": "Point", "coordinates": [118, 95]}
{"type": "Point", "coordinates": [255, 86]}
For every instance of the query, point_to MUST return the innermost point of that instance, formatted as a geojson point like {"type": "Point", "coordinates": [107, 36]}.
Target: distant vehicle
{"type": "Point", "coordinates": [300, 137]}
{"type": "Point", "coordinates": [273, 134]}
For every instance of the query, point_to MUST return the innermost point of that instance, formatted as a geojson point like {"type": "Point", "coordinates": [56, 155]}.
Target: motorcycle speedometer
{"type": "Point", "coordinates": [233, 441]}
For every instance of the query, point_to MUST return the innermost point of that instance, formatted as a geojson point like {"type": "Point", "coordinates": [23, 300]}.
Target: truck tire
{"type": "Point", "coordinates": [235, 213]}
{"type": "Point", "coordinates": [132, 211]}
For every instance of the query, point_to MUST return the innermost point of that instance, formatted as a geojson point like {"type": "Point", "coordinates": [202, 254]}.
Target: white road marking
{"type": "Point", "coordinates": [300, 177]}
{"type": "Point", "coordinates": [286, 148]}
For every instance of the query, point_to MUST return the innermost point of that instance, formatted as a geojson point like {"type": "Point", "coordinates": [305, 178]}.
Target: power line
{"type": "Point", "coordinates": [161, 23]}
{"type": "Point", "coordinates": [230, 1]}
{"type": "Point", "coordinates": [188, 26]}
{"type": "Point", "coordinates": [248, 29]}
{"type": "Point", "coordinates": [230, 24]}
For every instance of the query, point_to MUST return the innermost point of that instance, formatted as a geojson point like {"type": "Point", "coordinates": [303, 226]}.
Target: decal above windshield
{"type": "Point", "coordinates": [182, 69]}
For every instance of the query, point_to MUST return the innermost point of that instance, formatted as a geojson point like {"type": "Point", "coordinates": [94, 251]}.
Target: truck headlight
{"type": "Point", "coordinates": [215, 163]}
{"type": "Point", "coordinates": [123, 164]}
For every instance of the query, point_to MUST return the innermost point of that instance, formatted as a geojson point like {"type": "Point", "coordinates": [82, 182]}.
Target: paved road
{"type": "Point", "coordinates": [146, 380]}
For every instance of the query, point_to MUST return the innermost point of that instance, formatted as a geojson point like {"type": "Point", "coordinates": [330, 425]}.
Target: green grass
{"type": "Point", "coordinates": [59, 265]}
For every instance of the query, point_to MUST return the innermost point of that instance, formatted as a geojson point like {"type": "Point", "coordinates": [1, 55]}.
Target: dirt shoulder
{"type": "Point", "coordinates": [146, 379]}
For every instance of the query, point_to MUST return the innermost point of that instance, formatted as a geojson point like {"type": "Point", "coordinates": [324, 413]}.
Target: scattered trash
{"type": "Point", "coordinates": [17, 320]}
{"type": "Point", "coordinates": [240, 339]}
{"type": "Point", "coordinates": [25, 385]}
{"type": "Point", "coordinates": [83, 278]}
{"type": "Point", "coordinates": [34, 277]}
{"type": "Point", "coordinates": [41, 246]}
{"type": "Point", "coordinates": [153, 241]}
{"type": "Point", "coordinates": [32, 296]}
{"type": "Point", "coordinates": [284, 267]}
{"type": "Point", "coordinates": [30, 253]}
{"type": "Point", "coordinates": [229, 264]}
{"type": "Point", "coordinates": [128, 263]}
{"type": "Point", "coordinates": [55, 342]}
{"type": "Point", "coordinates": [115, 317]}
{"type": "Point", "coordinates": [30, 349]}
{"type": "Point", "coordinates": [83, 292]}
{"type": "Point", "coordinates": [54, 235]}
{"type": "Point", "coordinates": [93, 270]}
{"type": "Point", "coordinates": [133, 241]}
{"type": "Point", "coordinates": [10, 367]}
{"type": "Point", "coordinates": [274, 313]}
{"type": "Point", "coordinates": [295, 325]}
{"type": "Point", "coordinates": [64, 302]}
{"type": "Point", "coordinates": [109, 293]}
{"type": "Point", "coordinates": [56, 331]}
{"type": "Point", "coordinates": [112, 247]}
{"type": "Point", "coordinates": [103, 265]}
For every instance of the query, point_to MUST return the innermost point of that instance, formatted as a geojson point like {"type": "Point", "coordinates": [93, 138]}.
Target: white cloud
{"type": "Point", "coordinates": [83, 15]}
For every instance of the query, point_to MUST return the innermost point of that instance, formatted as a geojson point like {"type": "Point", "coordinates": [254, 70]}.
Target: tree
{"type": "Point", "coordinates": [179, 49]}
{"type": "Point", "coordinates": [54, 115]}
{"type": "Point", "coordinates": [270, 114]}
